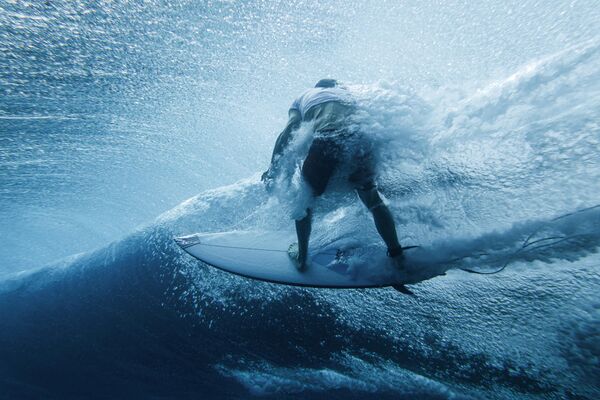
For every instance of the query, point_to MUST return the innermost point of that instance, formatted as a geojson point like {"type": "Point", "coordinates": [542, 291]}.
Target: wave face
{"type": "Point", "coordinates": [493, 180]}
{"type": "Point", "coordinates": [482, 176]}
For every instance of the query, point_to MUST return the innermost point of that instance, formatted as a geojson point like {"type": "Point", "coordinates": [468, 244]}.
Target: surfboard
{"type": "Point", "coordinates": [264, 256]}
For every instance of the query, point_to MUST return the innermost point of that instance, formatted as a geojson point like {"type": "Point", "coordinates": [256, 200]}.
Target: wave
{"type": "Point", "coordinates": [141, 317]}
{"type": "Point", "coordinates": [506, 176]}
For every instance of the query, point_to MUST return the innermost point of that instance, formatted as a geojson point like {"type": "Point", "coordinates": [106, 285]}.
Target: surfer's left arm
{"type": "Point", "coordinates": [283, 140]}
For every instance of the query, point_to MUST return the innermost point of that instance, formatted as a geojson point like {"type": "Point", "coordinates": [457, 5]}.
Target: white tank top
{"type": "Point", "coordinates": [315, 96]}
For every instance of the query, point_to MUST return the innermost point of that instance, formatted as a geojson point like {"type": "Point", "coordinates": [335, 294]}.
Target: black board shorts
{"type": "Point", "coordinates": [325, 156]}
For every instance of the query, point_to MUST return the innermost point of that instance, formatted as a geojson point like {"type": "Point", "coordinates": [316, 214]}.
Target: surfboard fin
{"type": "Point", "coordinates": [403, 289]}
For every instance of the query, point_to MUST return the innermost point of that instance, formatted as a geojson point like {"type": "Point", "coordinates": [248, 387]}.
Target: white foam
{"type": "Point", "coordinates": [352, 373]}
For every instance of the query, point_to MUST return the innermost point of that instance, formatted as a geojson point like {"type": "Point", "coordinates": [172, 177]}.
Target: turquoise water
{"type": "Point", "coordinates": [112, 114]}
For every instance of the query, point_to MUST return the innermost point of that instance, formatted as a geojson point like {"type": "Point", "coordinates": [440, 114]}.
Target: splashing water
{"type": "Point", "coordinates": [485, 119]}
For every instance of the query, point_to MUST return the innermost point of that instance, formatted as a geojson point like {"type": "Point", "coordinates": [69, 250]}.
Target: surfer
{"type": "Point", "coordinates": [328, 107]}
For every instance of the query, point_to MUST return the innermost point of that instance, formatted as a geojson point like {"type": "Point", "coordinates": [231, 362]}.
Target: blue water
{"type": "Point", "coordinates": [112, 114]}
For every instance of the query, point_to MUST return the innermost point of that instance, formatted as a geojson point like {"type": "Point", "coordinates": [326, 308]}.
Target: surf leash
{"type": "Point", "coordinates": [528, 243]}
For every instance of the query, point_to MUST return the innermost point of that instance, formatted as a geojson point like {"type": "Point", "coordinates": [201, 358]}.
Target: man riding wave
{"type": "Point", "coordinates": [329, 106]}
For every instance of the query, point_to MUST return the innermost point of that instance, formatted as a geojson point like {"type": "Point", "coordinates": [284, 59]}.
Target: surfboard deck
{"type": "Point", "coordinates": [264, 256]}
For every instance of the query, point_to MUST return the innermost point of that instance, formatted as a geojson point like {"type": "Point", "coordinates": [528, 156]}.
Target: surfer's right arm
{"type": "Point", "coordinates": [283, 140]}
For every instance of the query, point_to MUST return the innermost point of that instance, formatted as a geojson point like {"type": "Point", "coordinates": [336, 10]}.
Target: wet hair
{"type": "Point", "coordinates": [327, 83]}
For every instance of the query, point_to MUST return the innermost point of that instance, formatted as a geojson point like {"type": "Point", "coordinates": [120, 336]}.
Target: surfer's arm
{"type": "Point", "coordinates": [283, 140]}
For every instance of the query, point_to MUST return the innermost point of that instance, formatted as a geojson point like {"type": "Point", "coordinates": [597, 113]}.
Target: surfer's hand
{"type": "Point", "coordinates": [266, 175]}
{"type": "Point", "coordinates": [267, 179]}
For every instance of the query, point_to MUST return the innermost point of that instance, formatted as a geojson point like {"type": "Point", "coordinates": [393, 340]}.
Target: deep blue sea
{"type": "Point", "coordinates": [124, 124]}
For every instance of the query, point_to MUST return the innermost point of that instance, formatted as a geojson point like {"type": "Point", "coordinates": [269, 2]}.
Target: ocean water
{"type": "Point", "coordinates": [125, 124]}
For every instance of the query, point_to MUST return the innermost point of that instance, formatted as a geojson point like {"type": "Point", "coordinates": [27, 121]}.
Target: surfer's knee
{"type": "Point", "coordinates": [304, 216]}
{"type": "Point", "coordinates": [370, 197]}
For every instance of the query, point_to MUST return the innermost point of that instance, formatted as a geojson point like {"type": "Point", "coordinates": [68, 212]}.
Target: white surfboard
{"type": "Point", "coordinates": [264, 256]}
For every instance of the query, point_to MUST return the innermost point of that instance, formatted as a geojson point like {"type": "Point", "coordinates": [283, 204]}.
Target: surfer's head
{"type": "Point", "coordinates": [327, 83]}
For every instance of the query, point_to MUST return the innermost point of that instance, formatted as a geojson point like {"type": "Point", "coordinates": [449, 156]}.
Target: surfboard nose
{"type": "Point", "coordinates": [187, 241]}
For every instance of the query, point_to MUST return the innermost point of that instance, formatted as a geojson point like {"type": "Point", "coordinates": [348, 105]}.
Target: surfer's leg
{"type": "Point", "coordinates": [303, 228]}
{"type": "Point", "coordinates": [319, 165]}
{"type": "Point", "coordinates": [363, 178]}
{"type": "Point", "coordinates": [384, 221]}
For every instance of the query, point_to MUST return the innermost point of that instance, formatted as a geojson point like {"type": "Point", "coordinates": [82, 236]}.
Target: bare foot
{"type": "Point", "coordinates": [399, 262]}
{"type": "Point", "coordinates": [397, 256]}
{"type": "Point", "coordinates": [301, 265]}
{"type": "Point", "coordinates": [294, 254]}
